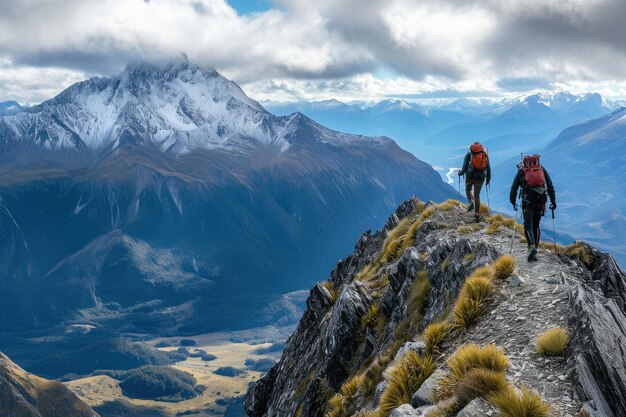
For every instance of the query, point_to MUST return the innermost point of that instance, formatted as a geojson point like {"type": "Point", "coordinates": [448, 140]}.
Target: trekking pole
{"type": "Point", "coordinates": [513, 232]}
{"type": "Point", "coordinates": [554, 231]}
{"type": "Point", "coordinates": [488, 202]}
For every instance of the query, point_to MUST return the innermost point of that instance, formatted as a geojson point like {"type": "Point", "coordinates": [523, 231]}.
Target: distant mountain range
{"type": "Point", "coordinates": [587, 163]}
{"type": "Point", "coordinates": [586, 160]}
{"type": "Point", "coordinates": [164, 200]}
{"type": "Point", "coordinates": [439, 131]}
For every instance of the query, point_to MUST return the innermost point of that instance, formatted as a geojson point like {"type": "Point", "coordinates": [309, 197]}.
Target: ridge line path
{"type": "Point", "coordinates": [517, 315]}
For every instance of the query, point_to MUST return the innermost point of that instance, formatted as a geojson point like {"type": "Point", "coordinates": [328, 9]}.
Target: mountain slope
{"type": "Point", "coordinates": [165, 201]}
{"type": "Point", "coordinates": [26, 395]}
{"type": "Point", "coordinates": [586, 163]}
{"type": "Point", "coordinates": [371, 322]}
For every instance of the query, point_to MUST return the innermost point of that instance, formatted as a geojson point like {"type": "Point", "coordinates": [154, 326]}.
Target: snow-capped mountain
{"type": "Point", "coordinates": [164, 200]}
{"type": "Point", "coordinates": [178, 107]}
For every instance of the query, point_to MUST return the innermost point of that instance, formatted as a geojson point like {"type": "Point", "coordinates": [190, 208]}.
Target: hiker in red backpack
{"type": "Point", "coordinates": [536, 185]}
{"type": "Point", "coordinates": [476, 168]}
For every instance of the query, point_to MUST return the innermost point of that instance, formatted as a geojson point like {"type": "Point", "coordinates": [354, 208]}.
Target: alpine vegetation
{"type": "Point", "coordinates": [426, 306]}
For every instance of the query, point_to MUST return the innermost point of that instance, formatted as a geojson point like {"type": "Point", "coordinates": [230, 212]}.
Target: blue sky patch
{"type": "Point", "coordinates": [250, 6]}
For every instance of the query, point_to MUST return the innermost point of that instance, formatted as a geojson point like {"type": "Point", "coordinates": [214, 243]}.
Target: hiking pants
{"type": "Point", "coordinates": [474, 185]}
{"type": "Point", "coordinates": [532, 217]}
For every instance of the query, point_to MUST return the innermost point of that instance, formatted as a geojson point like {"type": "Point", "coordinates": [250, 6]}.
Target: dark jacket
{"type": "Point", "coordinates": [520, 182]}
{"type": "Point", "coordinates": [470, 173]}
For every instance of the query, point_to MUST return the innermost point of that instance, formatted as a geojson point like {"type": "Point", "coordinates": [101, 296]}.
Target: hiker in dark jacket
{"type": "Point", "coordinates": [533, 200]}
{"type": "Point", "coordinates": [475, 177]}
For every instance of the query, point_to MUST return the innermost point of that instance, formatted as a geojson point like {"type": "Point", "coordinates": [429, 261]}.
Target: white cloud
{"type": "Point", "coordinates": [317, 49]}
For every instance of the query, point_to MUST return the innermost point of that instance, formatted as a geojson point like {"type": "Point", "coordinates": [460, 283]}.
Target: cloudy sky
{"type": "Point", "coordinates": [345, 49]}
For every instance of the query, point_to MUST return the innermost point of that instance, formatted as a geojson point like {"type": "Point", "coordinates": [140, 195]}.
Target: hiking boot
{"type": "Point", "coordinates": [470, 206]}
{"type": "Point", "coordinates": [477, 217]}
{"type": "Point", "coordinates": [532, 254]}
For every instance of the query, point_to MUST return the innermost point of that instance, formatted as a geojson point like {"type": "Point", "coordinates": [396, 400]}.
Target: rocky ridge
{"type": "Point", "coordinates": [25, 395]}
{"type": "Point", "coordinates": [366, 316]}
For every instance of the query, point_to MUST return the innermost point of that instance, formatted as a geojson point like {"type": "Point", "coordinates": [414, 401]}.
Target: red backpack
{"type": "Point", "coordinates": [533, 172]}
{"type": "Point", "coordinates": [479, 157]}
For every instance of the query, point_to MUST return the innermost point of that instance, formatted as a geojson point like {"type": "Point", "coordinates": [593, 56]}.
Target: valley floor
{"type": "Point", "coordinates": [232, 349]}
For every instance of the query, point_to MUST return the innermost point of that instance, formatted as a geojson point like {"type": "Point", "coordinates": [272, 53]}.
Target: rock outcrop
{"type": "Point", "coordinates": [369, 314]}
{"type": "Point", "coordinates": [599, 358]}
{"type": "Point", "coordinates": [26, 395]}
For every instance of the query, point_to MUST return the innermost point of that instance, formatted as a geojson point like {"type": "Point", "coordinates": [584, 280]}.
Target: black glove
{"type": "Point", "coordinates": [460, 173]}
{"type": "Point", "coordinates": [553, 206]}
{"type": "Point", "coordinates": [514, 205]}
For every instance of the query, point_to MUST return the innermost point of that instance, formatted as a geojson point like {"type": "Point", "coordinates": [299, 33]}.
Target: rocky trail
{"type": "Point", "coordinates": [534, 300]}
{"type": "Point", "coordinates": [334, 349]}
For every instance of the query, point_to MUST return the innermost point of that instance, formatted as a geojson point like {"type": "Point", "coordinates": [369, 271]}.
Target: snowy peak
{"type": "Point", "coordinates": [178, 107]}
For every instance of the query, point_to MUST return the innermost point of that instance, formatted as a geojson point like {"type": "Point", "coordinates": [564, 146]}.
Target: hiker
{"type": "Point", "coordinates": [536, 185]}
{"type": "Point", "coordinates": [476, 168]}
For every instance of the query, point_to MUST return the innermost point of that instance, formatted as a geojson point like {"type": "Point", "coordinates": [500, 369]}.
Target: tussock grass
{"type": "Point", "coordinates": [350, 387]}
{"type": "Point", "coordinates": [579, 251]}
{"type": "Point", "coordinates": [417, 297]}
{"type": "Point", "coordinates": [472, 356]}
{"type": "Point", "coordinates": [469, 257]}
{"type": "Point", "coordinates": [334, 292]}
{"type": "Point", "coordinates": [404, 379]}
{"type": "Point", "coordinates": [478, 383]}
{"type": "Point", "coordinates": [463, 364]}
{"type": "Point", "coordinates": [370, 317]}
{"type": "Point", "coordinates": [469, 228]}
{"type": "Point", "coordinates": [472, 300]}
{"type": "Point", "coordinates": [551, 247]}
{"type": "Point", "coordinates": [493, 228]}
{"type": "Point", "coordinates": [342, 403]}
{"type": "Point", "coordinates": [504, 267]}
{"type": "Point", "coordinates": [553, 342]}
{"type": "Point", "coordinates": [524, 403]}
{"type": "Point", "coordinates": [484, 271]}
{"type": "Point", "coordinates": [298, 412]}
{"type": "Point", "coordinates": [435, 334]}
{"type": "Point", "coordinates": [373, 374]}
{"type": "Point", "coordinates": [484, 209]}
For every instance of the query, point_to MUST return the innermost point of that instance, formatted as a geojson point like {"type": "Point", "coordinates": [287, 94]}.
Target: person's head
{"type": "Point", "coordinates": [476, 147]}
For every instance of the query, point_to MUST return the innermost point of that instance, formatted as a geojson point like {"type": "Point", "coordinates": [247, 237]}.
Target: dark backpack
{"type": "Point", "coordinates": [534, 179]}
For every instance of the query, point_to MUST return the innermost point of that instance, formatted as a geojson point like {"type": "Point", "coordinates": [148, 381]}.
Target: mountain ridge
{"type": "Point", "coordinates": [357, 333]}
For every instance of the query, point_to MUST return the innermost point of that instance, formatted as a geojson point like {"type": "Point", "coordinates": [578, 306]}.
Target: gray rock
{"type": "Point", "coordinates": [514, 280]}
{"type": "Point", "coordinates": [424, 395]}
{"type": "Point", "coordinates": [599, 333]}
{"type": "Point", "coordinates": [476, 408]}
{"type": "Point", "coordinates": [417, 347]}
{"type": "Point", "coordinates": [380, 388]}
{"type": "Point", "coordinates": [404, 410]}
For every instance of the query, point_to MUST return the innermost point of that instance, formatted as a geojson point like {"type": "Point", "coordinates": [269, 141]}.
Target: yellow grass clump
{"type": "Point", "coordinates": [493, 228]}
{"type": "Point", "coordinates": [472, 300]}
{"type": "Point", "coordinates": [472, 356]}
{"type": "Point", "coordinates": [504, 266]}
{"type": "Point", "coordinates": [524, 403]}
{"type": "Point", "coordinates": [331, 289]}
{"type": "Point", "coordinates": [464, 377]}
{"type": "Point", "coordinates": [553, 342]}
{"type": "Point", "coordinates": [478, 383]}
{"type": "Point", "coordinates": [484, 271]}
{"type": "Point", "coordinates": [579, 251]}
{"type": "Point", "coordinates": [417, 297]}
{"type": "Point", "coordinates": [435, 334]}
{"type": "Point", "coordinates": [404, 379]}
{"type": "Point", "coordinates": [370, 318]}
